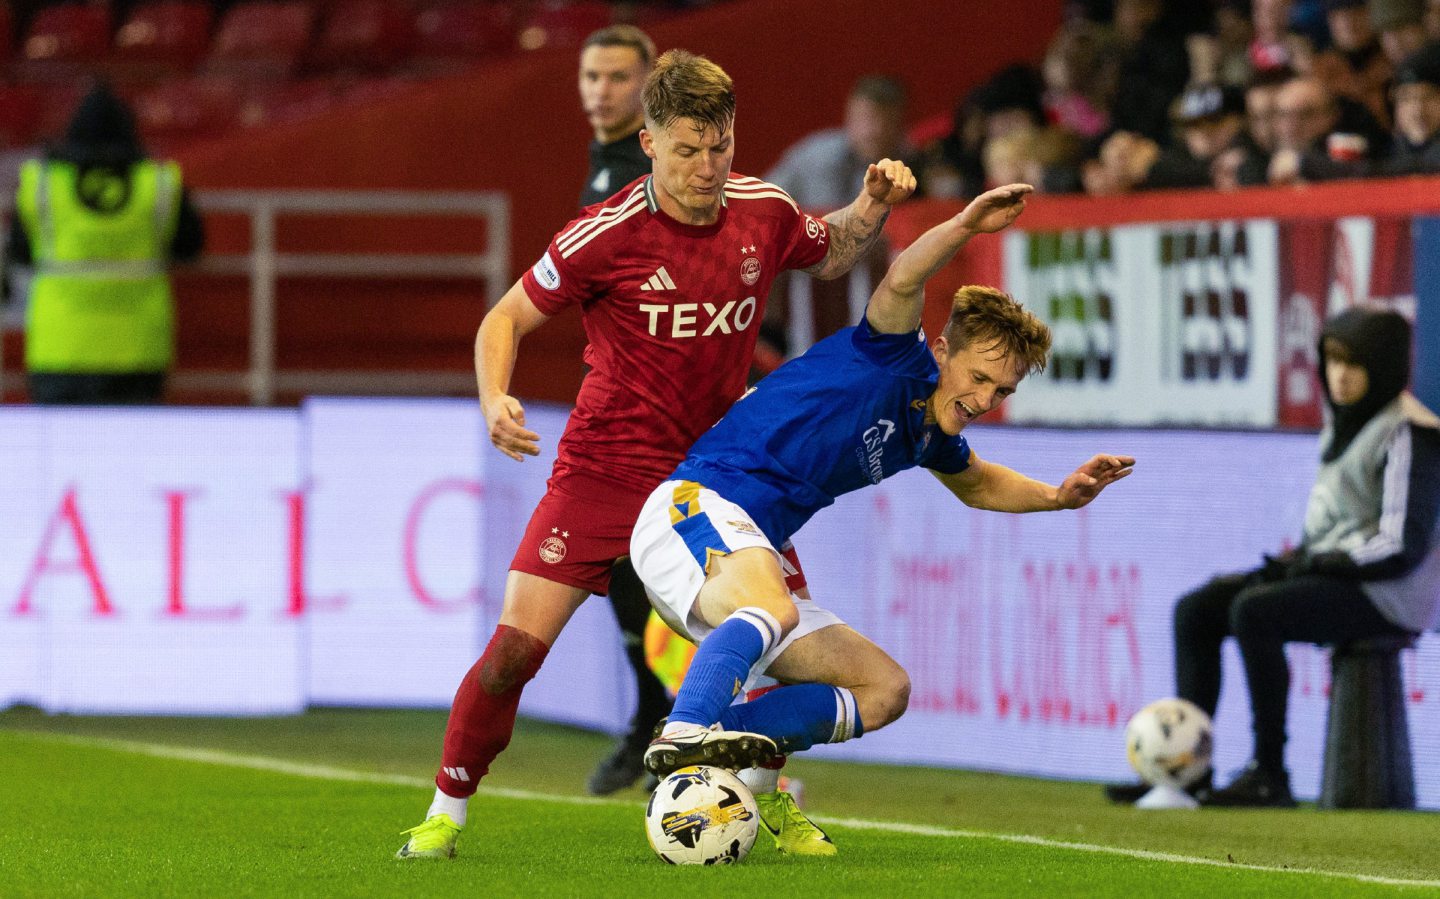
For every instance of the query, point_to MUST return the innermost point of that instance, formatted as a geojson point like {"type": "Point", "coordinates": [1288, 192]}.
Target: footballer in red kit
{"type": "Point", "coordinates": [671, 275]}
{"type": "Point", "coordinates": [671, 311]}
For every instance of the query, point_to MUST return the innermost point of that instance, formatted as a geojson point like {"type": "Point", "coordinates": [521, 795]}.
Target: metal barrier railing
{"type": "Point", "coordinates": [265, 264]}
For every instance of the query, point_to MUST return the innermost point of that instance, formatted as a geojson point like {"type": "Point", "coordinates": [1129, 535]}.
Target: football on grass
{"type": "Point", "coordinates": [1169, 743]}
{"type": "Point", "coordinates": [701, 816]}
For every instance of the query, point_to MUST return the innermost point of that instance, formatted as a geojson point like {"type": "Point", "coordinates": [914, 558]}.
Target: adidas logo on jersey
{"type": "Point", "coordinates": [659, 281]}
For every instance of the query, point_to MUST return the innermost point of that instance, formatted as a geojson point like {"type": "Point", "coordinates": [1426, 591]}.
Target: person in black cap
{"type": "Point", "coordinates": [98, 223]}
{"type": "Point", "coordinates": [1416, 92]}
{"type": "Point", "coordinates": [1367, 565]}
{"type": "Point", "coordinates": [1210, 119]}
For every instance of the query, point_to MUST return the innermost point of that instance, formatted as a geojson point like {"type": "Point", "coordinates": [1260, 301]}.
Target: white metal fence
{"type": "Point", "coordinates": [266, 264]}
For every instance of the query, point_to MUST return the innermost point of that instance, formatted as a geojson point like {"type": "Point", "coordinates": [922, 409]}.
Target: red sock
{"type": "Point", "coordinates": [482, 717]}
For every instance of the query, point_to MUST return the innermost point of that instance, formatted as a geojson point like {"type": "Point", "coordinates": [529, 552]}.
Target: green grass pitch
{"type": "Point", "coordinates": [313, 806]}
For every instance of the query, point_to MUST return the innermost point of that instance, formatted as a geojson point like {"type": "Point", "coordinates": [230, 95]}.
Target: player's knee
{"type": "Point", "coordinates": [509, 661]}
{"type": "Point", "coordinates": [895, 688]}
{"type": "Point", "coordinates": [786, 613]}
{"type": "Point", "coordinates": [885, 697]}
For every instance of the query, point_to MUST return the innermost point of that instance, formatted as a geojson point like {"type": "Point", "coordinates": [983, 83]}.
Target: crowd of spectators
{"type": "Point", "coordinates": [1153, 94]}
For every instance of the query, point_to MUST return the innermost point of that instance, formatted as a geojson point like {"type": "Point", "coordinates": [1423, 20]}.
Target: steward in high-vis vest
{"type": "Point", "coordinates": [98, 224]}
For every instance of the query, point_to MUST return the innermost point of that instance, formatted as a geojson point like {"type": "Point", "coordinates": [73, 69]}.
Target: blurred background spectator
{"type": "Point", "coordinates": [1010, 101]}
{"type": "Point", "coordinates": [1273, 43]}
{"type": "Point", "coordinates": [1247, 162]}
{"type": "Point", "coordinates": [826, 170]}
{"type": "Point", "coordinates": [1354, 66]}
{"type": "Point", "coordinates": [98, 222]}
{"type": "Point", "coordinates": [1081, 72]}
{"type": "Point", "coordinates": [1154, 69]}
{"type": "Point", "coordinates": [1400, 24]}
{"type": "Point", "coordinates": [1210, 119]}
{"type": "Point", "coordinates": [1416, 147]}
{"type": "Point", "coordinates": [1319, 136]}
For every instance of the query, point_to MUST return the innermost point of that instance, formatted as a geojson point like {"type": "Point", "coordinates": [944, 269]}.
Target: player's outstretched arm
{"type": "Point", "coordinates": [496, 344]}
{"type": "Point", "coordinates": [896, 305]}
{"type": "Point", "coordinates": [993, 487]}
{"type": "Point", "coordinates": [854, 229]}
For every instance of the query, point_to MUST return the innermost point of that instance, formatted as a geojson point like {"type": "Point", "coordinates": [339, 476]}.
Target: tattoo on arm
{"type": "Point", "coordinates": [851, 237]}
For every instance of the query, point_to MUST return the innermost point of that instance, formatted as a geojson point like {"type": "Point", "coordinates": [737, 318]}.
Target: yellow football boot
{"type": "Point", "coordinates": [433, 839]}
{"type": "Point", "coordinates": [794, 833]}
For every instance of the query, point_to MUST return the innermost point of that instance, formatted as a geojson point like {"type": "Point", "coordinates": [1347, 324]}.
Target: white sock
{"type": "Point", "coordinates": [761, 780]}
{"type": "Point", "coordinates": [445, 804]}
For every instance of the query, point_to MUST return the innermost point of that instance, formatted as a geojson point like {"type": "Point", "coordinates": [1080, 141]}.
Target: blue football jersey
{"type": "Point", "coordinates": [848, 413]}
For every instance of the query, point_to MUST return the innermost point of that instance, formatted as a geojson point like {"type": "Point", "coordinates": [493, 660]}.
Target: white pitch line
{"type": "Point", "coordinates": [327, 772]}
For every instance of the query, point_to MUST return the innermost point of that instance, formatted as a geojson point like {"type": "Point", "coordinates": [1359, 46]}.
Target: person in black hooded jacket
{"type": "Point", "coordinates": [1368, 563]}
{"type": "Point", "coordinates": [98, 222]}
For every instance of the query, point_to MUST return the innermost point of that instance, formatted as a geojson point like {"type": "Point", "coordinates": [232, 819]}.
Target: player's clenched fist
{"type": "Point", "coordinates": [505, 421]}
{"type": "Point", "coordinates": [889, 181]}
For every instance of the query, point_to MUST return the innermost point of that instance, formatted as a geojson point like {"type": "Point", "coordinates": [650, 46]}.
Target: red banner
{"type": "Point", "coordinates": [1305, 278]}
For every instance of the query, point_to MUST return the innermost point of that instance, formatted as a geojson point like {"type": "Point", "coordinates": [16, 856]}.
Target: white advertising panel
{"type": "Point", "coordinates": [394, 549]}
{"type": "Point", "coordinates": [411, 520]}
{"type": "Point", "coordinates": [1156, 324]}
{"type": "Point", "coordinates": [1031, 639]}
{"type": "Point", "coordinates": [355, 552]}
{"type": "Point", "coordinates": [143, 563]}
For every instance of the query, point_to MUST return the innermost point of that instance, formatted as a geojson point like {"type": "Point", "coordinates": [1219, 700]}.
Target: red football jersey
{"type": "Point", "coordinates": [671, 312]}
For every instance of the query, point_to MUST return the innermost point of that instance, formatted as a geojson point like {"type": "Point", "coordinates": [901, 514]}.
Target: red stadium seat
{"type": "Point", "coordinates": [162, 39]}
{"type": "Point", "coordinates": [563, 24]}
{"type": "Point", "coordinates": [261, 40]}
{"type": "Point", "coordinates": [363, 36]}
{"type": "Point", "coordinates": [454, 35]}
{"type": "Point", "coordinates": [65, 42]}
{"type": "Point", "coordinates": [177, 112]}
{"type": "Point", "coordinates": [287, 102]}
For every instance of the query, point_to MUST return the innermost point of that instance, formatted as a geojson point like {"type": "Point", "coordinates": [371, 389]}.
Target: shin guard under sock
{"type": "Point", "coordinates": [482, 717]}
{"type": "Point", "coordinates": [722, 665]}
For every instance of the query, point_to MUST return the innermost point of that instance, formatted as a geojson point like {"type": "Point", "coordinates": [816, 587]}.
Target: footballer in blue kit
{"type": "Point", "coordinates": [849, 413]}
{"type": "Point", "coordinates": [858, 407]}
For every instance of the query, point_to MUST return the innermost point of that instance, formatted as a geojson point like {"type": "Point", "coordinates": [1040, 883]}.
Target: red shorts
{"type": "Point", "coordinates": [583, 525]}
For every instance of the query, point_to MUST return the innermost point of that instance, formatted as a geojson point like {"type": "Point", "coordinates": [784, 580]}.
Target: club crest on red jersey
{"type": "Point", "coordinates": [750, 265]}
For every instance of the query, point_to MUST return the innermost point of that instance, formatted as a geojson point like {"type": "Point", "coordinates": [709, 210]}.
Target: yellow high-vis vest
{"type": "Point", "coordinates": [100, 297]}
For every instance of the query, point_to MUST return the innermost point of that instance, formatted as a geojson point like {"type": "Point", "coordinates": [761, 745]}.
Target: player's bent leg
{"type": "Point", "coordinates": [777, 801]}
{"type": "Point", "coordinates": [841, 657]}
{"type": "Point", "coordinates": [482, 716]}
{"type": "Point", "coordinates": [748, 612]}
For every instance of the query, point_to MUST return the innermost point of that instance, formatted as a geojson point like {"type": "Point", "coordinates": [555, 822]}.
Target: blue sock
{"type": "Point", "coordinates": [722, 664]}
{"type": "Point", "coordinates": [799, 716]}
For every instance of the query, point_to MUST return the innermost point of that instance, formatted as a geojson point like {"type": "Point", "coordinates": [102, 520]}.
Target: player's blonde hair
{"type": "Point", "coordinates": [685, 86]}
{"type": "Point", "coordinates": [985, 317]}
